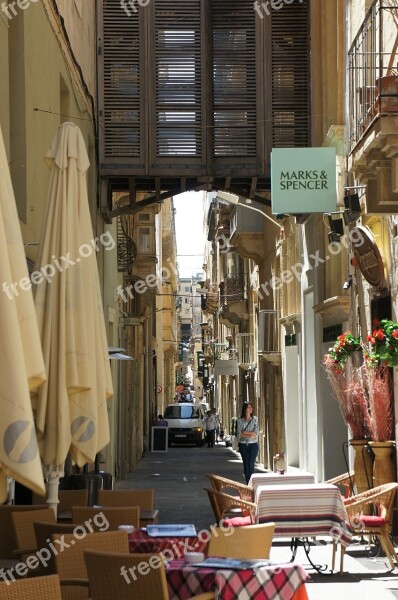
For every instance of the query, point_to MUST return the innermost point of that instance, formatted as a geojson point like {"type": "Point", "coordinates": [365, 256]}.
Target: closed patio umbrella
{"type": "Point", "coordinates": [21, 365]}
{"type": "Point", "coordinates": [71, 408]}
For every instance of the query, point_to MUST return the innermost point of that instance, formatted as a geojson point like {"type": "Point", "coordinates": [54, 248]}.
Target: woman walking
{"type": "Point", "coordinates": [247, 432]}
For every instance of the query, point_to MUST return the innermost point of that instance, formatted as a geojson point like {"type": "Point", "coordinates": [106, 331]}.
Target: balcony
{"type": "Point", "coordinates": [245, 349]}
{"type": "Point", "coordinates": [247, 232]}
{"type": "Point", "coordinates": [268, 335]}
{"type": "Point", "coordinates": [209, 301]}
{"type": "Point", "coordinates": [373, 107]}
{"type": "Point", "coordinates": [232, 299]}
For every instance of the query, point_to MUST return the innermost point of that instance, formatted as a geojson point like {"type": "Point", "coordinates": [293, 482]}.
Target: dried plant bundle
{"type": "Point", "coordinates": [380, 403]}
{"type": "Point", "coordinates": [349, 393]}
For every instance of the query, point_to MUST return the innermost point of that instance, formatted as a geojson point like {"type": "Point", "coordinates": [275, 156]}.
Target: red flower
{"type": "Point", "coordinates": [376, 323]}
{"type": "Point", "coordinates": [369, 338]}
{"type": "Point", "coordinates": [380, 335]}
{"type": "Point", "coordinates": [395, 334]}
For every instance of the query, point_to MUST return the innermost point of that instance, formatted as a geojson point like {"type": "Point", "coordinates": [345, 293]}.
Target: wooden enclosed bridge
{"type": "Point", "coordinates": [193, 94]}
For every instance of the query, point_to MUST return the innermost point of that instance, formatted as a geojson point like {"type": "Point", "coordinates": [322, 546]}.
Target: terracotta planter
{"type": "Point", "coordinates": [387, 88]}
{"type": "Point", "coordinates": [363, 467]}
{"type": "Point", "coordinates": [384, 470]}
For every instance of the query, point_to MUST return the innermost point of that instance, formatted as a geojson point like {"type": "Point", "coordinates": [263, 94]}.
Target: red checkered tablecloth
{"type": "Point", "coordinates": [276, 582]}
{"type": "Point", "coordinates": [141, 542]}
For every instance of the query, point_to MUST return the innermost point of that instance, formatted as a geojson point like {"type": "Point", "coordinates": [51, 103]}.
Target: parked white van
{"type": "Point", "coordinates": [186, 421]}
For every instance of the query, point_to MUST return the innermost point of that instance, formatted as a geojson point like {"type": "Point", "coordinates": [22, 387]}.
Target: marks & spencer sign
{"type": "Point", "coordinates": [303, 180]}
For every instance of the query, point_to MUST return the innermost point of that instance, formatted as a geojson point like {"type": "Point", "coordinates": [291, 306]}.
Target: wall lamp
{"type": "Point", "coordinates": [347, 284]}
{"type": "Point", "coordinates": [352, 208]}
{"type": "Point", "coordinates": [234, 199]}
{"type": "Point", "coordinates": [336, 228]}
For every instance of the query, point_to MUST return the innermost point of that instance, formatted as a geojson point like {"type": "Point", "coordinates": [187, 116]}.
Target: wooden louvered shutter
{"type": "Point", "coordinates": [176, 128]}
{"type": "Point", "coordinates": [290, 57]}
{"type": "Point", "coordinates": [234, 81]}
{"type": "Point", "coordinates": [120, 85]}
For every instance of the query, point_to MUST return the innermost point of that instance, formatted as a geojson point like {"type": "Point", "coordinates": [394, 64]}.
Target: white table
{"type": "Point", "coordinates": [290, 477]}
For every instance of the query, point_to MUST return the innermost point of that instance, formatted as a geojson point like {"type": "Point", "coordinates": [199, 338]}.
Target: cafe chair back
{"type": "Point", "coordinates": [229, 486]}
{"type": "Point", "coordinates": [7, 538]}
{"type": "Point", "coordinates": [117, 577]}
{"type": "Point", "coordinates": [113, 515]}
{"type": "Point", "coordinates": [231, 509]}
{"type": "Point", "coordinates": [346, 483]}
{"type": "Point", "coordinates": [376, 525]}
{"type": "Point", "coordinates": [143, 498]}
{"type": "Point", "coordinates": [23, 522]}
{"type": "Point", "coordinates": [253, 541]}
{"type": "Point", "coordinates": [37, 588]}
{"type": "Point", "coordinates": [70, 564]}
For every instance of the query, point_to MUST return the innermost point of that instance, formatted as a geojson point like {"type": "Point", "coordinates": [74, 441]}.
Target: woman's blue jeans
{"type": "Point", "coordinates": [248, 453]}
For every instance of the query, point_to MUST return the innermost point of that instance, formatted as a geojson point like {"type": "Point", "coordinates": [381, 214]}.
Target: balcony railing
{"type": "Point", "coordinates": [232, 289]}
{"type": "Point", "coordinates": [373, 74]}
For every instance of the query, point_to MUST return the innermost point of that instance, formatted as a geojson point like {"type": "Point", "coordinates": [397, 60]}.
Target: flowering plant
{"type": "Point", "coordinates": [343, 347]}
{"type": "Point", "coordinates": [383, 344]}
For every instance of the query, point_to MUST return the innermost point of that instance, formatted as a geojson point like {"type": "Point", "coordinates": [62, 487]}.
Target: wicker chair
{"type": "Point", "coordinates": [379, 526]}
{"type": "Point", "coordinates": [8, 542]}
{"type": "Point", "coordinates": [70, 563]}
{"type": "Point", "coordinates": [39, 588]}
{"type": "Point", "coordinates": [225, 508]}
{"type": "Point", "coordinates": [142, 498]}
{"type": "Point", "coordinates": [345, 481]}
{"type": "Point", "coordinates": [110, 577]}
{"type": "Point", "coordinates": [23, 522]}
{"type": "Point", "coordinates": [252, 541]}
{"type": "Point", "coordinates": [114, 515]}
{"type": "Point", "coordinates": [222, 484]}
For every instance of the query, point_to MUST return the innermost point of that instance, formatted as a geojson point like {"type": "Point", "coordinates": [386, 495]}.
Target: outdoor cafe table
{"type": "Point", "coordinates": [290, 477]}
{"type": "Point", "coordinates": [274, 582]}
{"type": "Point", "coordinates": [303, 511]}
{"type": "Point", "coordinates": [141, 542]}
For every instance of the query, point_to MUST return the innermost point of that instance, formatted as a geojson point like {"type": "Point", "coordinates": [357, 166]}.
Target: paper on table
{"type": "Point", "coordinates": [233, 563]}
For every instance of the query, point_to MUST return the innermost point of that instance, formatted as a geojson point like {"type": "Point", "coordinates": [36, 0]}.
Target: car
{"type": "Point", "coordinates": [186, 421]}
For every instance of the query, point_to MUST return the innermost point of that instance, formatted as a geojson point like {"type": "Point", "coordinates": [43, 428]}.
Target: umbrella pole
{"type": "Point", "coordinates": [52, 475]}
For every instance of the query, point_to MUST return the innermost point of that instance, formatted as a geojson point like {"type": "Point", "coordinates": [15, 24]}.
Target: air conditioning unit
{"type": "Point", "coordinates": [268, 339]}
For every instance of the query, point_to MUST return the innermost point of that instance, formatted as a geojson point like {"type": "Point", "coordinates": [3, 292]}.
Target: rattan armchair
{"type": "Point", "coordinates": [345, 481]}
{"type": "Point", "coordinates": [114, 516]}
{"type": "Point", "coordinates": [252, 541]}
{"type": "Point", "coordinates": [110, 577]}
{"type": "Point", "coordinates": [222, 484]}
{"type": "Point", "coordinates": [378, 526]}
{"type": "Point", "coordinates": [38, 588]}
{"type": "Point", "coordinates": [226, 507]}
{"type": "Point", "coordinates": [70, 564]}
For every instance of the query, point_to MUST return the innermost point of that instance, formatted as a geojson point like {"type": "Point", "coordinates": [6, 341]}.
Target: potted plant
{"type": "Point", "coordinates": [387, 92]}
{"type": "Point", "coordinates": [382, 354]}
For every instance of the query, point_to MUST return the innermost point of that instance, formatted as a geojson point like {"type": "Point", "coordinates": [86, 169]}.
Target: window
{"type": "Point", "coordinates": [144, 240]}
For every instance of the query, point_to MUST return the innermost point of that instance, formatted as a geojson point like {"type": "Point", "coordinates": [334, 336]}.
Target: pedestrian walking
{"type": "Point", "coordinates": [210, 429]}
{"type": "Point", "coordinates": [247, 433]}
{"type": "Point", "coordinates": [217, 425]}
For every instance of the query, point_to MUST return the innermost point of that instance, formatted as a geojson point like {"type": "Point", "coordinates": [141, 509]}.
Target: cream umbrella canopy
{"type": "Point", "coordinates": [21, 366]}
{"type": "Point", "coordinates": [70, 409]}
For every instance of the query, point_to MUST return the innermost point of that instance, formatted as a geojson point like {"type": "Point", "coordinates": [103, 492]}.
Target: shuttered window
{"type": "Point", "coordinates": [234, 78]}
{"type": "Point", "coordinates": [121, 81]}
{"type": "Point", "coordinates": [178, 78]}
{"type": "Point", "coordinates": [290, 51]}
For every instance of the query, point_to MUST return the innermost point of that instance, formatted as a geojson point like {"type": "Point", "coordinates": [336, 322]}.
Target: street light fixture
{"type": "Point", "coordinates": [234, 199]}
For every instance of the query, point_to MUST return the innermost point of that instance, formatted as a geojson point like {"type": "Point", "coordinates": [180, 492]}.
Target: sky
{"type": "Point", "coordinates": [189, 232]}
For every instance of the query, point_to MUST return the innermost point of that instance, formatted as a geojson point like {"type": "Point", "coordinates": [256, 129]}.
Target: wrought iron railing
{"type": "Point", "coordinates": [372, 69]}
